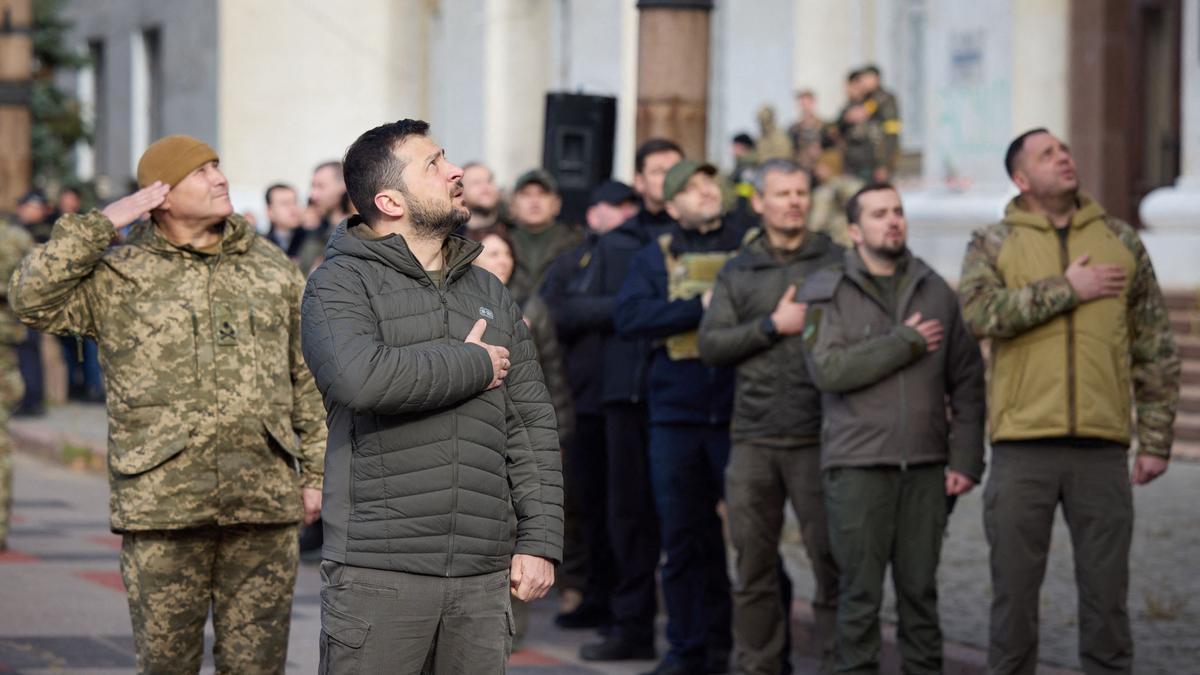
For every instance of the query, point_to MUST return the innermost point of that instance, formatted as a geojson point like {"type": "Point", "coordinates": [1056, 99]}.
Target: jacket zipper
{"type": "Point", "coordinates": [1064, 255]}
{"type": "Point", "coordinates": [453, 440]}
{"type": "Point", "coordinates": [899, 319]}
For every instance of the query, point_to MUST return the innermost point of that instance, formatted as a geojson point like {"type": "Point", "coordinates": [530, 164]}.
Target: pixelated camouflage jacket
{"type": "Point", "coordinates": [15, 242]}
{"type": "Point", "coordinates": [213, 417]}
{"type": "Point", "coordinates": [1059, 367]}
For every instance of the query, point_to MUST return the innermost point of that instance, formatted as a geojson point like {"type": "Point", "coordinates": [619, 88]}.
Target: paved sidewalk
{"type": "Point", "coordinates": [63, 573]}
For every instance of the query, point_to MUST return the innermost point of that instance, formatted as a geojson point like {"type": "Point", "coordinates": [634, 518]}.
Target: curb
{"type": "Point", "coordinates": [957, 659]}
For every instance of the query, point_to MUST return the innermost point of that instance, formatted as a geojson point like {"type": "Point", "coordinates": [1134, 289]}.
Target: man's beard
{"type": "Point", "coordinates": [428, 223]}
{"type": "Point", "coordinates": [886, 252]}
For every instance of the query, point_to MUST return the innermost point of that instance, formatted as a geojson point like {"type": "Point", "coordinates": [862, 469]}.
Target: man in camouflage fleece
{"type": "Point", "coordinates": [1077, 323]}
{"type": "Point", "coordinates": [216, 431]}
{"type": "Point", "coordinates": [15, 242]}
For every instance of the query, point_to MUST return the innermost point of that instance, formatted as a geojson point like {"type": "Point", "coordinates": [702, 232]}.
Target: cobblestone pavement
{"type": "Point", "coordinates": [62, 602]}
{"type": "Point", "coordinates": [1164, 594]}
{"type": "Point", "coordinates": [71, 617]}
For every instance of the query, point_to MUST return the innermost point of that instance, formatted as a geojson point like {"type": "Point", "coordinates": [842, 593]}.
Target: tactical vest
{"type": "Point", "coordinates": [688, 276]}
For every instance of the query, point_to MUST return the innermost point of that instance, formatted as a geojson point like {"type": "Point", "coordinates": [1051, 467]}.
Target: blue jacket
{"type": "Point", "coordinates": [685, 391]}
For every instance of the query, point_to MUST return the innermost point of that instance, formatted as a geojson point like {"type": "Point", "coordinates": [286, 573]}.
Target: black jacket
{"type": "Point", "coordinates": [775, 403]}
{"type": "Point", "coordinates": [626, 358]}
{"type": "Point", "coordinates": [425, 465]}
{"type": "Point", "coordinates": [582, 320]}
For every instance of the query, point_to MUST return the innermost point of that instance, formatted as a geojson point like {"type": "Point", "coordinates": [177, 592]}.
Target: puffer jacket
{"type": "Point", "coordinates": [424, 463]}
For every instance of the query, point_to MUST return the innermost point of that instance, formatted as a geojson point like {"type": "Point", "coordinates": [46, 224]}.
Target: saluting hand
{"type": "Point", "coordinates": [499, 355]}
{"type": "Point", "coordinates": [130, 209]}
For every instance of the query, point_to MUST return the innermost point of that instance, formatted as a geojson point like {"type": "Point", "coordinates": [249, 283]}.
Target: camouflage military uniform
{"type": "Point", "coordinates": [214, 425]}
{"type": "Point", "coordinates": [14, 244]}
{"type": "Point", "coordinates": [883, 128]}
{"type": "Point", "coordinates": [1063, 373]}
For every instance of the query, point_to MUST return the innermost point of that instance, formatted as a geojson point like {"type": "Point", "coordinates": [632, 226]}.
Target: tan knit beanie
{"type": "Point", "coordinates": [171, 158]}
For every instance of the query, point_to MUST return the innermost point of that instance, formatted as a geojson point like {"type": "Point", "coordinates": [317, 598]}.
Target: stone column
{"type": "Point", "coordinates": [673, 44]}
{"type": "Point", "coordinates": [1172, 214]}
{"type": "Point", "coordinates": [16, 63]}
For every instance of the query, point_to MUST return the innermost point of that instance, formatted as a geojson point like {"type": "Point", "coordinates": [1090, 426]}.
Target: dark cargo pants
{"type": "Point", "coordinates": [379, 621]}
{"type": "Point", "coordinates": [1026, 485]}
{"type": "Point", "coordinates": [757, 483]}
{"type": "Point", "coordinates": [877, 516]}
{"type": "Point", "coordinates": [246, 573]}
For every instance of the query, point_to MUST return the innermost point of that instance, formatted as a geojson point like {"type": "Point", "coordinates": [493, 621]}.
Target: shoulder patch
{"type": "Point", "coordinates": [820, 286]}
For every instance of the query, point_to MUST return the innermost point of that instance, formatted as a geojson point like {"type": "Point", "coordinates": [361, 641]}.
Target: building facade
{"type": "Point", "coordinates": [279, 86]}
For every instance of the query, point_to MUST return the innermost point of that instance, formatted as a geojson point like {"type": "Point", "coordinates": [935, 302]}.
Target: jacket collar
{"type": "Point", "coordinates": [760, 255]}
{"type": "Point", "coordinates": [237, 237]}
{"type": "Point", "coordinates": [1016, 214]}
{"type": "Point", "coordinates": [392, 250]}
{"type": "Point", "coordinates": [910, 271]}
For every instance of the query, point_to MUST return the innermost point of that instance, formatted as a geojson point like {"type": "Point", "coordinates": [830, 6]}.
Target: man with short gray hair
{"type": "Point", "coordinates": [754, 322]}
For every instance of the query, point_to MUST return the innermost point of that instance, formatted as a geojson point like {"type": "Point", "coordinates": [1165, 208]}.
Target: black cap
{"type": "Point", "coordinates": [34, 195]}
{"type": "Point", "coordinates": [611, 192]}
{"type": "Point", "coordinates": [744, 139]}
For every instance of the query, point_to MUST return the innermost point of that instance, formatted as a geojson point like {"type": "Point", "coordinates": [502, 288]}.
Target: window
{"type": "Point", "coordinates": [145, 93]}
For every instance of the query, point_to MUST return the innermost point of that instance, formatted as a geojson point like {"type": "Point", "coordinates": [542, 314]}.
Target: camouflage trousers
{"type": "Point", "coordinates": [246, 573]}
{"type": "Point", "coordinates": [12, 388]}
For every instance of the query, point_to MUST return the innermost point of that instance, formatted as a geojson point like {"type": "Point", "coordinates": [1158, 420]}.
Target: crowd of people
{"type": "Point", "coordinates": [511, 401]}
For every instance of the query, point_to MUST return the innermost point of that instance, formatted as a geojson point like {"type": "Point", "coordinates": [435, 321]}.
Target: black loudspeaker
{"type": "Point", "coordinates": [578, 146]}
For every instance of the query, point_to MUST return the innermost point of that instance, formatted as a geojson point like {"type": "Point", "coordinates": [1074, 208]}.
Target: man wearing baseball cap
{"type": "Point", "coordinates": [538, 236]}
{"type": "Point", "coordinates": [665, 295]}
{"type": "Point", "coordinates": [216, 431]}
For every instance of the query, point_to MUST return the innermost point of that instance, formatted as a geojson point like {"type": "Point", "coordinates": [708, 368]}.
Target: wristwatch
{"type": "Point", "coordinates": [768, 326]}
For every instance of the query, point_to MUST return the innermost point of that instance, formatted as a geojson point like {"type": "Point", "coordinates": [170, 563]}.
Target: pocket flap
{"type": "Point", "coordinates": [280, 430]}
{"type": "Point", "coordinates": [141, 439]}
{"type": "Point", "coordinates": [343, 628]}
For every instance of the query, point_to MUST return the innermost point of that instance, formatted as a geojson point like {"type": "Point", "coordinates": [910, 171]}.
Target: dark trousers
{"type": "Point", "coordinates": [83, 374]}
{"type": "Point", "coordinates": [380, 621]}
{"type": "Point", "coordinates": [586, 472]}
{"type": "Point", "coordinates": [758, 483]}
{"type": "Point", "coordinates": [877, 516]}
{"type": "Point", "coordinates": [1026, 484]}
{"type": "Point", "coordinates": [29, 354]}
{"type": "Point", "coordinates": [632, 525]}
{"type": "Point", "coordinates": [687, 465]}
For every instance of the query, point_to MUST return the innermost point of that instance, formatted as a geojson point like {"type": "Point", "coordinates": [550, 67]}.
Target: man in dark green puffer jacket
{"type": "Point", "coordinates": [440, 426]}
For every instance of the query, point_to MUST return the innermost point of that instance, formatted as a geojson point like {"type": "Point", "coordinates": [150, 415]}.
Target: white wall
{"type": "Point", "coordinates": [751, 66]}
{"type": "Point", "coordinates": [299, 80]}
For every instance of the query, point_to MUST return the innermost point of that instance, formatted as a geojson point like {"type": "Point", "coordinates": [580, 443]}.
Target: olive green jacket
{"type": "Point", "coordinates": [213, 417]}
